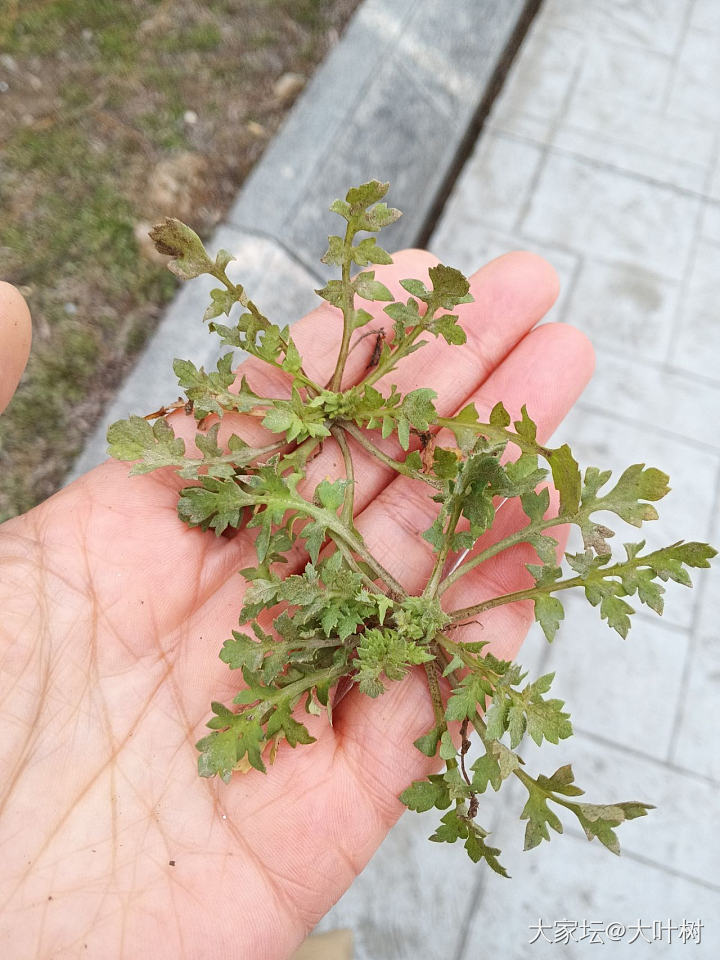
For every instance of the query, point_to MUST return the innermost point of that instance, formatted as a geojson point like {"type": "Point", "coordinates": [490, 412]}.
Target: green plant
{"type": "Point", "coordinates": [345, 616]}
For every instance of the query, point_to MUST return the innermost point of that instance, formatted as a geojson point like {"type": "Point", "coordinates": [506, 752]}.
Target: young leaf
{"type": "Point", "coordinates": [549, 614]}
{"type": "Point", "coordinates": [155, 446]}
{"type": "Point", "coordinates": [423, 795]}
{"type": "Point", "coordinates": [175, 239]}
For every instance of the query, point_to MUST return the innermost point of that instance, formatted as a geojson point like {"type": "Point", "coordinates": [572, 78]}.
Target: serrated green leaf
{"type": "Point", "coordinates": [416, 287]}
{"type": "Point", "coordinates": [478, 850]}
{"type": "Point", "coordinates": [499, 417]}
{"type": "Point", "coordinates": [221, 302]}
{"type": "Point", "coordinates": [417, 406]}
{"type": "Point", "coordinates": [537, 504]}
{"type": "Point", "coordinates": [452, 827]}
{"type": "Point", "coordinates": [333, 292]}
{"type": "Point", "coordinates": [463, 425]}
{"type": "Point", "coordinates": [428, 743]}
{"type": "Point", "coordinates": [366, 194]}
{"type": "Point", "coordinates": [242, 651]}
{"type": "Point", "coordinates": [549, 613]}
{"type": "Point", "coordinates": [628, 498]}
{"type": "Point", "coordinates": [377, 217]}
{"type": "Point", "coordinates": [216, 504]}
{"type": "Point", "coordinates": [467, 698]}
{"type": "Point", "coordinates": [546, 720]}
{"type": "Point", "coordinates": [447, 326]}
{"type": "Point", "coordinates": [368, 288]}
{"type": "Point", "coordinates": [281, 722]}
{"type": "Point", "coordinates": [335, 255]}
{"type": "Point", "coordinates": [447, 748]}
{"type": "Point", "coordinates": [449, 286]}
{"type": "Point", "coordinates": [567, 479]}
{"type": "Point", "coordinates": [539, 817]}
{"type": "Point", "coordinates": [423, 795]}
{"type": "Point", "coordinates": [525, 427]}
{"type": "Point", "coordinates": [135, 439]}
{"type": "Point", "coordinates": [330, 495]}
{"type": "Point", "coordinates": [369, 251]}
{"type": "Point", "coordinates": [562, 781]}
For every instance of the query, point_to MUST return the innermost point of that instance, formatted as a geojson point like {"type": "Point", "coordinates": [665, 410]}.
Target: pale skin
{"type": "Point", "coordinates": [113, 613]}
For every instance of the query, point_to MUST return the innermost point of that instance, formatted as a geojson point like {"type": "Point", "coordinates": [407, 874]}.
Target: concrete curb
{"type": "Point", "coordinates": [400, 98]}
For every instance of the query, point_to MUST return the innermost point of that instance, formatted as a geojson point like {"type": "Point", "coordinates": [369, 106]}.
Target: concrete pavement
{"type": "Point", "coordinates": [601, 154]}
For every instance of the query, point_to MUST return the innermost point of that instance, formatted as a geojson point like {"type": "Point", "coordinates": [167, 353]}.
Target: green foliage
{"type": "Point", "coordinates": [343, 616]}
{"type": "Point", "coordinates": [385, 652]}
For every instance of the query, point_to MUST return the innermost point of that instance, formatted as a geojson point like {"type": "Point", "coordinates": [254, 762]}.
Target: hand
{"type": "Point", "coordinates": [15, 335]}
{"type": "Point", "coordinates": [113, 614]}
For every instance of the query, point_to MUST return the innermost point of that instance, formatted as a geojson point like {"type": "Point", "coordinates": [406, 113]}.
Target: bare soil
{"type": "Point", "coordinates": [113, 115]}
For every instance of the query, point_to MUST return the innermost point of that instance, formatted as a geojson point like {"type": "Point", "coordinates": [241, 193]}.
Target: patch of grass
{"type": "Point", "coordinates": [201, 37]}
{"type": "Point", "coordinates": [81, 147]}
{"type": "Point", "coordinates": [45, 26]}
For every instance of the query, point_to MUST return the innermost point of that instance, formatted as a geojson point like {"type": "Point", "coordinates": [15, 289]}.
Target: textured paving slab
{"type": "Point", "coordinates": [603, 154]}
{"type": "Point", "coordinates": [393, 101]}
{"type": "Point", "coordinates": [696, 745]}
{"type": "Point", "coordinates": [584, 883]}
{"type": "Point", "coordinates": [412, 900]}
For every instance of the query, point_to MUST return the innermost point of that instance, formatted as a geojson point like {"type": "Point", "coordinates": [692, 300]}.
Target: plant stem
{"type": "Point", "coordinates": [433, 583]}
{"type": "Point", "coordinates": [396, 589]}
{"type": "Point", "coordinates": [298, 687]}
{"type": "Point", "coordinates": [397, 465]}
{"type": "Point", "coordinates": [348, 312]}
{"type": "Point", "coordinates": [435, 694]}
{"type": "Point", "coordinates": [437, 704]}
{"type": "Point", "coordinates": [599, 574]}
{"type": "Point", "coordinates": [493, 432]}
{"type": "Point", "coordinates": [354, 565]}
{"type": "Point", "coordinates": [238, 292]}
{"type": "Point", "coordinates": [357, 546]}
{"type": "Point", "coordinates": [529, 594]}
{"type": "Point", "coordinates": [347, 513]}
{"type": "Point", "coordinates": [520, 536]}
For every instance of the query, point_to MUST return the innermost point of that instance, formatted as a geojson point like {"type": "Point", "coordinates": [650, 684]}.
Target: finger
{"type": "Point", "coordinates": [15, 337]}
{"type": "Point", "coordinates": [511, 295]}
{"type": "Point", "coordinates": [317, 336]}
{"type": "Point", "coordinates": [188, 566]}
{"type": "Point", "coordinates": [547, 371]}
{"type": "Point", "coordinates": [503, 628]}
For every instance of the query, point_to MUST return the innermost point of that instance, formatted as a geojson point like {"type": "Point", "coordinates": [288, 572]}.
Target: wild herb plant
{"type": "Point", "coordinates": [345, 618]}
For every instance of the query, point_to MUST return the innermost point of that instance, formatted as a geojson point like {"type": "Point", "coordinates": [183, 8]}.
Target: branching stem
{"type": "Point", "coordinates": [347, 513]}
{"type": "Point", "coordinates": [397, 465]}
{"type": "Point", "coordinates": [523, 535]}
{"type": "Point", "coordinates": [431, 589]}
{"type": "Point", "coordinates": [601, 573]}
{"type": "Point", "coordinates": [348, 311]}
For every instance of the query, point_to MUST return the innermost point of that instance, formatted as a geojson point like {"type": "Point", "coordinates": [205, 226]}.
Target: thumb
{"type": "Point", "coordinates": [15, 336]}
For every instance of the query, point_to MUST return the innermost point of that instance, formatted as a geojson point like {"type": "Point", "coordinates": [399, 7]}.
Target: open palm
{"type": "Point", "coordinates": [113, 613]}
